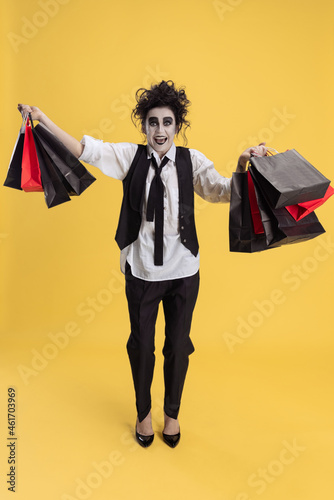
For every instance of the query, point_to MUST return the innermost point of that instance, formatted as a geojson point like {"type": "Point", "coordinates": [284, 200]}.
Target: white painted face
{"type": "Point", "coordinates": [160, 129]}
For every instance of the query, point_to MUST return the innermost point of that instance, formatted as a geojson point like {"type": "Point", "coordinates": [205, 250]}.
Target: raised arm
{"type": "Point", "coordinates": [36, 114]}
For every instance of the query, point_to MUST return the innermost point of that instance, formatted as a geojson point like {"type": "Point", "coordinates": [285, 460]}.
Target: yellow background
{"type": "Point", "coordinates": [251, 391]}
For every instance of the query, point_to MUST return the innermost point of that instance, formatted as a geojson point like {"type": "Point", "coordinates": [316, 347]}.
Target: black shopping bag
{"type": "Point", "coordinates": [70, 167]}
{"type": "Point", "coordinates": [280, 228]}
{"type": "Point", "coordinates": [241, 233]}
{"type": "Point", "coordinates": [13, 178]}
{"type": "Point", "coordinates": [62, 174]}
{"type": "Point", "coordinates": [55, 189]}
{"type": "Point", "coordinates": [288, 178]}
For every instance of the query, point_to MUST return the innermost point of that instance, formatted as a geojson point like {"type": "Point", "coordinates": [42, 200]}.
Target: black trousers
{"type": "Point", "coordinates": [178, 297]}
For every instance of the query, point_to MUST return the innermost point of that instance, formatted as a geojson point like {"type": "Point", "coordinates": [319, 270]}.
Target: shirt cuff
{"type": "Point", "coordinates": [92, 149]}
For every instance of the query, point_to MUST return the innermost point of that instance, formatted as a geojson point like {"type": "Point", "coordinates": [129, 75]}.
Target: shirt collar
{"type": "Point", "coordinates": [171, 153]}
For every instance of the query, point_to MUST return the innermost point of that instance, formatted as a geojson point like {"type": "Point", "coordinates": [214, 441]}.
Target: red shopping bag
{"type": "Point", "coordinates": [300, 210]}
{"type": "Point", "coordinates": [255, 213]}
{"type": "Point", "coordinates": [31, 174]}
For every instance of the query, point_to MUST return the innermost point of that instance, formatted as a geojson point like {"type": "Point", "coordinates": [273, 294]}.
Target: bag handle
{"type": "Point", "coordinates": [30, 120]}
{"type": "Point", "coordinates": [270, 152]}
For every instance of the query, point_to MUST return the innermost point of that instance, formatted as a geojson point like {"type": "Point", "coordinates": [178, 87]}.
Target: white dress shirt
{"type": "Point", "coordinates": [114, 160]}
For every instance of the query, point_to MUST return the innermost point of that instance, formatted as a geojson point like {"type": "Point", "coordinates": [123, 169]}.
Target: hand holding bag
{"type": "Point", "coordinates": [40, 162]}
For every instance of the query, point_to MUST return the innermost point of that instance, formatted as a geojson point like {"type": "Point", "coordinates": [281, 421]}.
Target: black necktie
{"type": "Point", "coordinates": [155, 206]}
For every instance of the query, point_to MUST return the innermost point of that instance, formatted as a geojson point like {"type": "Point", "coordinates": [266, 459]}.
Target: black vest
{"type": "Point", "coordinates": [134, 192]}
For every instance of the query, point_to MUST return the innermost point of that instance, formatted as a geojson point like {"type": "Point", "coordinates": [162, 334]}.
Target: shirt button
{"type": "Point", "coordinates": [184, 241]}
{"type": "Point", "coordinates": [182, 216]}
{"type": "Point", "coordinates": [182, 227]}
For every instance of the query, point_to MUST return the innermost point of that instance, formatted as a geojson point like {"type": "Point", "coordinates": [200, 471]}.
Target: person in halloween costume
{"type": "Point", "coordinates": [157, 237]}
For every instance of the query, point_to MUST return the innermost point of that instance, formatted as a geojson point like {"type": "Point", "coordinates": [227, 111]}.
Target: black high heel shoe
{"type": "Point", "coordinates": [144, 441]}
{"type": "Point", "coordinates": [172, 439]}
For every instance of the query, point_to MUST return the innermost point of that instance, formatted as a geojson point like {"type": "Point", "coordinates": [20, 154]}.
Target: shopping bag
{"type": "Point", "coordinates": [61, 173]}
{"type": "Point", "coordinates": [280, 228]}
{"type": "Point", "coordinates": [241, 233]}
{"type": "Point", "coordinates": [255, 213]}
{"type": "Point", "coordinates": [302, 209]}
{"type": "Point", "coordinates": [70, 167]}
{"type": "Point", "coordinates": [31, 174]}
{"type": "Point", "coordinates": [288, 178]}
{"type": "Point", "coordinates": [55, 192]}
{"type": "Point", "coordinates": [13, 178]}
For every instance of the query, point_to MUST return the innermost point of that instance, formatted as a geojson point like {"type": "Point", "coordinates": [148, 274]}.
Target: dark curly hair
{"type": "Point", "coordinates": [160, 95]}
